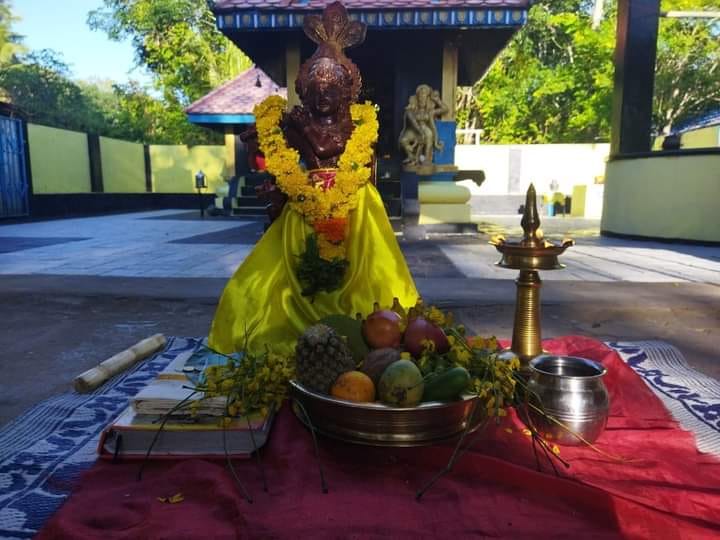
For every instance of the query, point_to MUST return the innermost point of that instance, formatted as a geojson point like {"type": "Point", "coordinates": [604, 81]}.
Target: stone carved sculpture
{"type": "Point", "coordinates": [419, 136]}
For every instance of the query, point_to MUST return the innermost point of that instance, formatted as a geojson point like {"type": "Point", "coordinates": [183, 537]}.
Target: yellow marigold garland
{"type": "Point", "coordinates": [325, 209]}
{"type": "Point", "coordinates": [315, 203]}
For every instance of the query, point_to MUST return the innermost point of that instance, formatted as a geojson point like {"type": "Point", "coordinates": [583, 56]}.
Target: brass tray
{"type": "Point", "coordinates": [381, 425]}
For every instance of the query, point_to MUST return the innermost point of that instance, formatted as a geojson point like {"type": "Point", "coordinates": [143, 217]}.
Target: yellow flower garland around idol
{"type": "Point", "coordinates": [325, 208]}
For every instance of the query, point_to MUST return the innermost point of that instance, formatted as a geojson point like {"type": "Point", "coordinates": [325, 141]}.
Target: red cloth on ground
{"type": "Point", "coordinates": [666, 489]}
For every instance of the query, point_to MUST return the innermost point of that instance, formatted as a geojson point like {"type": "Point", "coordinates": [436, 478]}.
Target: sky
{"type": "Point", "coordinates": [61, 25]}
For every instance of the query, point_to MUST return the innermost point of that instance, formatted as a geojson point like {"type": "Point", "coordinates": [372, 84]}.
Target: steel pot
{"type": "Point", "coordinates": [571, 390]}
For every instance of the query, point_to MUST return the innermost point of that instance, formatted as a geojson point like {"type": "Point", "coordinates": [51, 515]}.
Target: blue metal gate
{"type": "Point", "coordinates": [13, 171]}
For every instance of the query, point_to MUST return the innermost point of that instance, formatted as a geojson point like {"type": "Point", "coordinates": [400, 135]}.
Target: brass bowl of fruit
{"type": "Point", "coordinates": [378, 424]}
{"type": "Point", "coordinates": [395, 379]}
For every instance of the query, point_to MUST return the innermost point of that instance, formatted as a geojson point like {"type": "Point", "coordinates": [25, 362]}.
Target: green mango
{"type": "Point", "coordinates": [401, 384]}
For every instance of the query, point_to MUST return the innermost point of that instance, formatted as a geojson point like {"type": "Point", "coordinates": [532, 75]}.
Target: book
{"type": "Point", "coordinates": [174, 385]}
{"type": "Point", "coordinates": [131, 434]}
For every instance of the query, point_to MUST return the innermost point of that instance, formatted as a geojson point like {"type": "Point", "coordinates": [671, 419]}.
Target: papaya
{"type": "Point", "coordinates": [446, 386]}
{"type": "Point", "coordinates": [351, 329]}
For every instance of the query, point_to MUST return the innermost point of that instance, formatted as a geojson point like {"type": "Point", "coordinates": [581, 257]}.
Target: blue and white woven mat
{"type": "Point", "coordinates": [691, 397]}
{"type": "Point", "coordinates": [44, 451]}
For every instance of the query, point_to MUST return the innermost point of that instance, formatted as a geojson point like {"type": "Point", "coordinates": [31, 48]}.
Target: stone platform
{"type": "Point", "coordinates": [76, 291]}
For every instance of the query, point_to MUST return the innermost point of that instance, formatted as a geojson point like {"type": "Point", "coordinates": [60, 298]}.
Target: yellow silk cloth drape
{"type": "Point", "coordinates": [265, 295]}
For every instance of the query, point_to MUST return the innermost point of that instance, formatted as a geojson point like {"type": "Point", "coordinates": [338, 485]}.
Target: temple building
{"type": "Point", "coordinates": [229, 109]}
{"type": "Point", "coordinates": [669, 194]}
{"type": "Point", "coordinates": [441, 43]}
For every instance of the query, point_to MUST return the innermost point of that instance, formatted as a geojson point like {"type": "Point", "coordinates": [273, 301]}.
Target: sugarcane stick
{"type": "Point", "coordinates": [92, 378]}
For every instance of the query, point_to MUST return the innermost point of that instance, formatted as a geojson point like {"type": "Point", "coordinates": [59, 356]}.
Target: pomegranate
{"type": "Point", "coordinates": [420, 329]}
{"type": "Point", "coordinates": [382, 329]}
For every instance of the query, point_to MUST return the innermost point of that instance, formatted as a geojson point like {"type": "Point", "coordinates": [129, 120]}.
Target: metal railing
{"type": "Point", "coordinates": [469, 136]}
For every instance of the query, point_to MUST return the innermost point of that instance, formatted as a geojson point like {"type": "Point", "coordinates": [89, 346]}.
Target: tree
{"type": "Point", "coordinates": [148, 119]}
{"type": "Point", "coordinates": [687, 72]}
{"type": "Point", "coordinates": [554, 81]}
{"type": "Point", "coordinates": [177, 41]}
{"type": "Point", "coordinates": [40, 86]}
{"type": "Point", "coordinates": [10, 42]}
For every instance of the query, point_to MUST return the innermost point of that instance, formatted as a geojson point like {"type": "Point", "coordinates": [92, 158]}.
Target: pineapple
{"type": "Point", "coordinates": [322, 355]}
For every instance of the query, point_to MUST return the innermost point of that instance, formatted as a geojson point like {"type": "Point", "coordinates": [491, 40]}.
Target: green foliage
{"type": "Point", "coordinates": [156, 121]}
{"type": "Point", "coordinates": [554, 81]}
{"type": "Point", "coordinates": [687, 73]}
{"type": "Point", "coordinates": [10, 42]}
{"type": "Point", "coordinates": [177, 41]}
{"type": "Point", "coordinates": [40, 87]}
{"type": "Point", "coordinates": [315, 274]}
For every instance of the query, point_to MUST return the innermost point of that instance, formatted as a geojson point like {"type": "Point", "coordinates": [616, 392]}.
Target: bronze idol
{"type": "Point", "coordinates": [327, 84]}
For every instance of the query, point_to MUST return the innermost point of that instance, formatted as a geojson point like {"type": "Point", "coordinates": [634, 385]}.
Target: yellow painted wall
{"type": "Point", "coordinates": [664, 197]}
{"type": "Point", "coordinates": [123, 166]}
{"type": "Point", "coordinates": [708, 137]}
{"type": "Point", "coordinates": [59, 160]}
{"type": "Point", "coordinates": [577, 208]}
{"type": "Point", "coordinates": [174, 167]}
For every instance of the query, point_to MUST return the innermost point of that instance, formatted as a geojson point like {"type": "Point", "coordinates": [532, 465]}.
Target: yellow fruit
{"type": "Point", "coordinates": [354, 386]}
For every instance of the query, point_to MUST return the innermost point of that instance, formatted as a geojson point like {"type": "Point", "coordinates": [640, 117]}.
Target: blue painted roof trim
{"type": "Point", "coordinates": [221, 118]}
{"type": "Point", "coordinates": [706, 120]}
{"type": "Point", "coordinates": [254, 19]}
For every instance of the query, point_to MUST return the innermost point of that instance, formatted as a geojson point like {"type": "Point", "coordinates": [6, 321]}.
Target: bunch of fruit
{"type": "Point", "coordinates": [402, 358]}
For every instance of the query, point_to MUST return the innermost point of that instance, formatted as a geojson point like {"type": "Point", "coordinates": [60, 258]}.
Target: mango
{"type": "Point", "coordinates": [401, 384]}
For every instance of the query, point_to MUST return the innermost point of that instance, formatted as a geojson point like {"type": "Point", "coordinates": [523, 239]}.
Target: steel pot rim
{"type": "Point", "coordinates": [600, 370]}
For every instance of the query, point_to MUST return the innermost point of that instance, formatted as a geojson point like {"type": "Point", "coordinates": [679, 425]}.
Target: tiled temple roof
{"type": "Point", "coordinates": [248, 15]}
{"type": "Point", "coordinates": [238, 96]}
{"type": "Point", "coordinates": [221, 5]}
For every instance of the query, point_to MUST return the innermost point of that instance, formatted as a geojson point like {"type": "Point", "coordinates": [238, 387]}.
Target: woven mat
{"type": "Point", "coordinates": [44, 451]}
{"type": "Point", "coordinates": [691, 397]}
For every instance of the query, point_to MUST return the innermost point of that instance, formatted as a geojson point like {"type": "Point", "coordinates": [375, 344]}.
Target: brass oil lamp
{"type": "Point", "coordinates": [529, 255]}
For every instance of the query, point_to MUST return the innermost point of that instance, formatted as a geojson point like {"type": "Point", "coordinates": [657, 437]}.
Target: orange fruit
{"type": "Point", "coordinates": [354, 386]}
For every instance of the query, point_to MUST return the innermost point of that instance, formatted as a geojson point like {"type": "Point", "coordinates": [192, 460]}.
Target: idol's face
{"type": "Point", "coordinates": [325, 91]}
{"type": "Point", "coordinates": [423, 94]}
{"type": "Point", "coordinates": [325, 97]}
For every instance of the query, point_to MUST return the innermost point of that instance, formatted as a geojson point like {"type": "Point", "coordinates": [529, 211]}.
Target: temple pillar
{"type": "Point", "coordinates": [635, 51]}
{"type": "Point", "coordinates": [292, 68]}
{"type": "Point", "coordinates": [449, 77]}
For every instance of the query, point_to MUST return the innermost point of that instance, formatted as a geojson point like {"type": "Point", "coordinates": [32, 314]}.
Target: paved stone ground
{"type": "Point", "coordinates": [76, 291]}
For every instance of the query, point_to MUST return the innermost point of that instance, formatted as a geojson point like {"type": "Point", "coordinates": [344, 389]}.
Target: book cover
{"type": "Point", "coordinates": [131, 435]}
